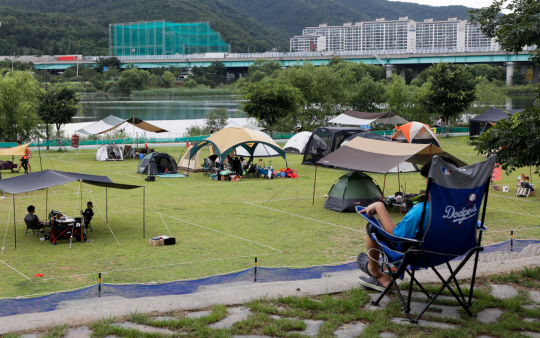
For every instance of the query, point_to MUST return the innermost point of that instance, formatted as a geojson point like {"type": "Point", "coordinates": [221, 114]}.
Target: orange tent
{"type": "Point", "coordinates": [415, 132]}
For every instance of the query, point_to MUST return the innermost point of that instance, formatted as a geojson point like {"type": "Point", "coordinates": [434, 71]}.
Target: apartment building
{"type": "Point", "coordinates": [403, 34]}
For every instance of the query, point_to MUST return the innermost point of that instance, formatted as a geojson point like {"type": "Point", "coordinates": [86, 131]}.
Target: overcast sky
{"type": "Point", "coordinates": [468, 3]}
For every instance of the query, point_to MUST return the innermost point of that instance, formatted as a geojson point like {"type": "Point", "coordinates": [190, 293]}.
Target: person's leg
{"type": "Point", "coordinates": [24, 165]}
{"type": "Point", "coordinates": [20, 165]}
{"type": "Point", "coordinates": [29, 166]}
{"type": "Point", "coordinates": [373, 265]}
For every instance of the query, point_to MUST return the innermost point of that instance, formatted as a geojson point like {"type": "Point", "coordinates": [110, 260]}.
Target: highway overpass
{"type": "Point", "coordinates": [390, 59]}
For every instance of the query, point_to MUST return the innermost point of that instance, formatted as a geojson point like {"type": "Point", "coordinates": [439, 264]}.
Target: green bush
{"type": "Point", "coordinates": [90, 90]}
{"type": "Point", "coordinates": [190, 84]}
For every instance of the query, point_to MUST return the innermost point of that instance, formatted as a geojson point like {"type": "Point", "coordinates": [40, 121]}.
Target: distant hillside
{"type": "Point", "coordinates": [294, 15]}
{"type": "Point", "coordinates": [55, 26]}
{"type": "Point", "coordinates": [236, 28]}
{"type": "Point", "coordinates": [38, 33]}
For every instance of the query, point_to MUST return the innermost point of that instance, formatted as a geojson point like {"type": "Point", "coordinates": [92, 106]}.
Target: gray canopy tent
{"type": "Point", "coordinates": [112, 122]}
{"type": "Point", "coordinates": [51, 178]}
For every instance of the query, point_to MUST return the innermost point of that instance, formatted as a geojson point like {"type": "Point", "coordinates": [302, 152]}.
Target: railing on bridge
{"type": "Point", "coordinates": [381, 53]}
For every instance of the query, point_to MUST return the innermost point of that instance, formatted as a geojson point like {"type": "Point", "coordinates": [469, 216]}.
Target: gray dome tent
{"type": "Point", "coordinates": [153, 164]}
{"type": "Point", "coordinates": [353, 187]}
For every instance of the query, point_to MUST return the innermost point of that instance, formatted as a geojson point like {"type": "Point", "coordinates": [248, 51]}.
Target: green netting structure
{"type": "Point", "coordinates": [164, 38]}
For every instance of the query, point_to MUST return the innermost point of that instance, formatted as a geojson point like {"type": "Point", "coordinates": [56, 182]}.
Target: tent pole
{"type": "Point", "coordinates": [106, 206]}
{"type": "Point", "coordinates": [398, 181]}
{"type": "Point", "coordinates": [39, 149]}
{"type": "Point", "coordinates": [314, 182]}
{"type": "Point", "coordinates": [384, 185]}
{"type": "Point", "coordinates": [143, 212]}
{"type": "Point", "coordinates": [46, 202]}
{"type": "Point", "coordinates": [169, 142]}
{"type": "Point", "coordinates": [82, 218]}
{"type": "Point", "coordinates": [133, 135]}
{"type": "Point", "coordinates": [14, 223]}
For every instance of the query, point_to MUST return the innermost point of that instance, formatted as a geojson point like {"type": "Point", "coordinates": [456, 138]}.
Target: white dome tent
{"type": "Point", "coordinates": [297, 143]}
{"type": "Point", "coordinates": [109, 152]}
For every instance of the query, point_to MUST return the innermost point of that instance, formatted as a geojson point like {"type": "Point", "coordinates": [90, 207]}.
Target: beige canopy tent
{"type": "Point", "coordinates": [193, 166]}
{"type": "Point", "coordinates": [227, 140]}
{"type": "Point", "coordinates": [15, 151]}
{"type": "Point", "coordinates": [376, 156]}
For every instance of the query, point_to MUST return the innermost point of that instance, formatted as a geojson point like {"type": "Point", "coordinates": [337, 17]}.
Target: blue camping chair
{"type": "Point", "coordinates": [455, 196]}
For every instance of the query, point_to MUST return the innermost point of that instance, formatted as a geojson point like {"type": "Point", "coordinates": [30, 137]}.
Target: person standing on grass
{"type": "Point", "coordinates": [24, 161]}
{"type": "Point", "coordinates": [88, 213]}
{"type": "Point", "coordinates": [407, 228]}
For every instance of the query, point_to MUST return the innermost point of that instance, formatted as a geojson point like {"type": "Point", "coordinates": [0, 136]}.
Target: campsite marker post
{"type": "Point", "coordinates": [512, 240]}
{"type": "Point", "coordinates": [255, 280]}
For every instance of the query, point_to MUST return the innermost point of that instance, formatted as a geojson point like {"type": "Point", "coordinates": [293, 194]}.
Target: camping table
{"type": "Point", "coordinates": [65, 229]}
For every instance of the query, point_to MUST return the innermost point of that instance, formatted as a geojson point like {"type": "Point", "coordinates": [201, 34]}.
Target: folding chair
{"type": "Point", "coordinates": [455, 198]}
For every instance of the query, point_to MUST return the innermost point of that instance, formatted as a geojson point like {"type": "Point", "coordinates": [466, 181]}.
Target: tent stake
{"type": "Point", "coordinates": [314, 182]}
{"type": "Point", "coordinates": [14, 223]}
{"type": "Point", "coordinates": [144, 212]}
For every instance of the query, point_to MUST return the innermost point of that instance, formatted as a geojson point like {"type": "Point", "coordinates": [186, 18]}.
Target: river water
{"type": "Point", "coordinates": [98, 106]}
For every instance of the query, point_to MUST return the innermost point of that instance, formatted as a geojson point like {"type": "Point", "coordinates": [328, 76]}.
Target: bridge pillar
{"type": "Point", "coordinates": [403, 73]}
{"type": "Point", "coordinates": [415, 72]}
{"type": "Point", "coordinates": [509, 103]}
{"type": "Point", "coordinates": [389, 69]}
{"type": "Point", "coordinates": [523, 70]}
{"type": "Point", "coordinates": [535, 75]}
{"type": "Point", "coordinates": [510, 73]}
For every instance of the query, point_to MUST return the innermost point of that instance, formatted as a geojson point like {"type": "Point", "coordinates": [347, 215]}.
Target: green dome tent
{"type": "Point", "coordinates": [350, 188]}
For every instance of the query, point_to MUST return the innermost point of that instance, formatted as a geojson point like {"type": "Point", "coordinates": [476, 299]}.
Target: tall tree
{"type": "Point", "coordinates": [367, 95]}
{"type": "Point", "coordinates": [397, 95]}
{"type": "Point", "coordinates": [18, 104]}
{"type": "Point", "coordinates": [57, 106]}
{"type": "Point", "coordinates": [452, 90]}
{"type": "Point", "coordinates": [519, 27]}
{"type": "Point", "coordinates": [271, 102]}
{"type": "Point", "coordinates": [514, 139]}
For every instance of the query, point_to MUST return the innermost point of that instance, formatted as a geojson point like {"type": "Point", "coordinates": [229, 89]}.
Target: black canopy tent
{"type": "Point", "coordinates": [482, 122]}
{"type": "Point", "coordinates": [51, 178]}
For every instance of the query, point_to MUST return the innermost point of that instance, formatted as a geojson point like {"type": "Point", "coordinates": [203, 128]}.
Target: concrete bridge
{"type": "Point", "coordinates": [238, 63]}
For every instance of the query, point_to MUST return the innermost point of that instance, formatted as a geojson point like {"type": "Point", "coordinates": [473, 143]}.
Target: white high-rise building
{"type": "Point", "coordinates": [402, 35]}
{"type": "Point", "coordinates": [308, 43]}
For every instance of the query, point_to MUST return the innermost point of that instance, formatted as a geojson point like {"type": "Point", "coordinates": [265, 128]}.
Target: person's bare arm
{"type": "Point", "coordinates": [378, 208]}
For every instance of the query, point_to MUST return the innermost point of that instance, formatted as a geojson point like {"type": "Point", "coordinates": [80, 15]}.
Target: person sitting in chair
{"type": "Point", "coordinates": [88, 213]}
{"type": "Point", "coordinates": [243, 163]}
{"type": "Point", "coordinates": [407, 228]}
{"type": "Point", "coordinates": [33, 219]}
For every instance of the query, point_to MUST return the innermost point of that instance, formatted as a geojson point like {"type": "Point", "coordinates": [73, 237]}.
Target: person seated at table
{"type": "Point", "coordinates": [243, 163]}
{"type": "Point", "coordinates": [33, 219]}
{"type": "Point", "coordinates": [88, 213]}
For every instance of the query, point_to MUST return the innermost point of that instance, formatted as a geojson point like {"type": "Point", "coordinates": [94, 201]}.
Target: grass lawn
{"type": "Point", "coordinates": [219, 226]}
